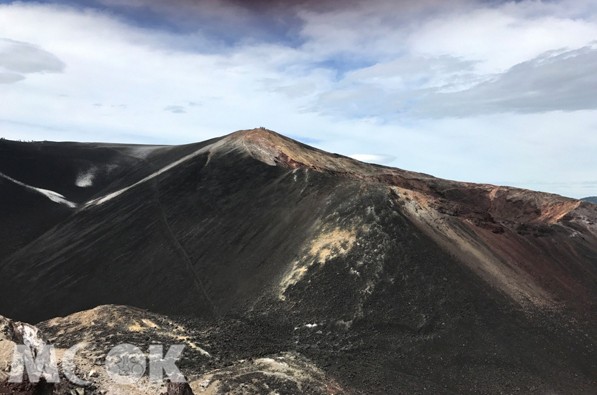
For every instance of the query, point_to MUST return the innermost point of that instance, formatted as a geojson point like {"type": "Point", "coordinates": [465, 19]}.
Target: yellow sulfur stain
{"type": "Point", "coordinates": [332, 244]}
{"type": "Point", "coordinates": [327, 245]}
{"type": "Point", "coordinates": [143, 326]}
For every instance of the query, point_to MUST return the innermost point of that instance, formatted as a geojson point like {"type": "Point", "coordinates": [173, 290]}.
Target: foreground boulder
{"type": "Point", "coordinates": [179, 389]}
{"type": "Point", "coordinates": [12, 334]}
{"type": "Point", "coordinates": [285, 373]}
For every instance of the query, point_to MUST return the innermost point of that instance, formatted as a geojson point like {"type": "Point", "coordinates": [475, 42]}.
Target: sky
{"type": "Point", "coordinates": [472, 90]}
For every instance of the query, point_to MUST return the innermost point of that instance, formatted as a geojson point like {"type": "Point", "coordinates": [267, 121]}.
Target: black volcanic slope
{"type": "Point", "coordinates": [591, 199]}
{"type": "Point", "coordinates": [390, 281]}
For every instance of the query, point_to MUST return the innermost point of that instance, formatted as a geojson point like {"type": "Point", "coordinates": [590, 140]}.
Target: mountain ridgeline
{"type": "Point", "coordinates": [372, 279]}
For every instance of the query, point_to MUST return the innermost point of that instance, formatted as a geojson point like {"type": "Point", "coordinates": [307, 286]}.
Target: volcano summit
{"type": "Point", "coordinates": [287, 269]}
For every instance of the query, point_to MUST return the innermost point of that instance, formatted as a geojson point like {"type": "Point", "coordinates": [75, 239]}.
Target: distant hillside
{"type": "Point", "coordinates": [590, 199]}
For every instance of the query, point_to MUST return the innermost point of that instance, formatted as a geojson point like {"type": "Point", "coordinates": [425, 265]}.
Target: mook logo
{"type": "Point", "coordinates": [124, 364]}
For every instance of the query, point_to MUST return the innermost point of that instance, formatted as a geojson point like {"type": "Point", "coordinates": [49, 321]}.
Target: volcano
{"type": "Point", "coordinates": [292, 270]}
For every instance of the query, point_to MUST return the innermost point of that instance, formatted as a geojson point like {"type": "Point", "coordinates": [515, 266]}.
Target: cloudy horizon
{"type": "Point", "coordinates": [481, 91]}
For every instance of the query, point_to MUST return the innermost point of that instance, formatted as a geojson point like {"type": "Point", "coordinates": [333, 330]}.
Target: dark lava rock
{"type": "Point", "coordinates": [179, 389]}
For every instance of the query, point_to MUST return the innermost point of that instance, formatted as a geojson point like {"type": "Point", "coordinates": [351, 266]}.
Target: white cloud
{"type": "Point", "coordinates": [174, 109]}
{"type": "Point", "coordinates": [9, 78]}
{"type": "Point", "coordinates": [555, 81]}
{"type": "Point", "coordinates": [20, 58]}
{"type": "Point", "coordinates": [499, 38]}
{"type": "Point", "coordinates": [374, 158]}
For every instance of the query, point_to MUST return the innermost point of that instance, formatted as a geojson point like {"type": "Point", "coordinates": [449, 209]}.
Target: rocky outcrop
{"type": "Point", "coordinates": [179, 389]}
{"type": "Point", "coordinates": [284, 373]}
{"type": "Point", "coordinates": [17, 333]}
